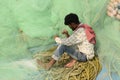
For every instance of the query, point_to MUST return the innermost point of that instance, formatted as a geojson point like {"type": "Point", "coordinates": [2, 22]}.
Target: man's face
{"type": "Point", "coordinates": [72, 26]}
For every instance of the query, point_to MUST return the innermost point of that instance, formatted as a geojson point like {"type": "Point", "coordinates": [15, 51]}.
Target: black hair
{"type": "Point", "coordinates": [71, 18]}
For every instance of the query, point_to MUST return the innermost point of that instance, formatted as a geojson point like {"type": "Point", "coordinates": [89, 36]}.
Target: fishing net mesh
{"type": "Point", "coordinates": [28, 27]}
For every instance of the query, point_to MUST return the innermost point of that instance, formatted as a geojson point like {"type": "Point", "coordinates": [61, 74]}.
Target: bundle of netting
{"type": "Point", "coordinates": [80, 71]}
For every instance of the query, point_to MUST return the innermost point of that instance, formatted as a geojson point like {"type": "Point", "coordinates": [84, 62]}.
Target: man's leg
{"type": "Point", "coordinates": [69, 50]}
{"type": "Point", "coordinates": [73, 57]}
{"type": "Point", "coordinates": [57, 54]}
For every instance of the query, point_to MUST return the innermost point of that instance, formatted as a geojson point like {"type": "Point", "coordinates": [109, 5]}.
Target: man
{"type": "Point", "coordinates": [79, 45]}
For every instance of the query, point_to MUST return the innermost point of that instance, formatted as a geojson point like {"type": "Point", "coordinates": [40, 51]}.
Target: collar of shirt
{"type": "Point", "coordinates": [78, 27]}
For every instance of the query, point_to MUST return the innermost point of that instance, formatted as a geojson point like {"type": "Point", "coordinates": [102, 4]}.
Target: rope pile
{"type": "Point", "coordinates": [80, 71]}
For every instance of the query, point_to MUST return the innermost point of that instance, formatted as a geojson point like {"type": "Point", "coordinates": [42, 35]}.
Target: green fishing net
{"type": "Point", "coordinates": [28, 27]}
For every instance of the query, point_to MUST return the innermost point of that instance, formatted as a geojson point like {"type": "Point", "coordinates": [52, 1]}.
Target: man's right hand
{"type": "Point", "coordinates": [65, 32]}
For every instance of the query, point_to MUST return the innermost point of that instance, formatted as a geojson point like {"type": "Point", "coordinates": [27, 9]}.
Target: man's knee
{"type": "Point", "coordinates": [61, 47]}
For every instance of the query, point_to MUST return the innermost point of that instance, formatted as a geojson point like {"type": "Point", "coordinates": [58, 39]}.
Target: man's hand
{"type": "Point", "coordinates": [65, 32]}
{"type": "Point", "coordinates": [57, 39]}
{"type": "Point", "coordinates": [56, 36]}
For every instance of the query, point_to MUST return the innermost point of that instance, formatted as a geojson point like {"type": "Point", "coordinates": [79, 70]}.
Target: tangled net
{"type": "Point", "coordinates": [80, 71]}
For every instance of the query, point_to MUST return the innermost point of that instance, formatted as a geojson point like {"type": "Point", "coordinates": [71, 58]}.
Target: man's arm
{"type": "Point", "coordinates": [75, 38]}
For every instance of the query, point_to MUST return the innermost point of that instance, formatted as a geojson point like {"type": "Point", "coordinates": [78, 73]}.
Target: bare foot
{"type": "Point", "coordinates": [71, 63]}
{"type": "Point", "coordinates": [44, 65]}
{"type": "Point", "coordinates": [41, 64]}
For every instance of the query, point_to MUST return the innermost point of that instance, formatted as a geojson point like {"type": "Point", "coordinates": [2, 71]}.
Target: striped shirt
{"type": "Point", "coordinates": [79, 40]}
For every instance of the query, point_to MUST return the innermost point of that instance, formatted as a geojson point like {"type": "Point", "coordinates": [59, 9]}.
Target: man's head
{"type": "Point", "coordinates": [72, 21]}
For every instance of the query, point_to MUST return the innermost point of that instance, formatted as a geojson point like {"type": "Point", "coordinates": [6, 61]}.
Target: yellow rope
{"type": "Point", "coordinates": [81, 70]}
